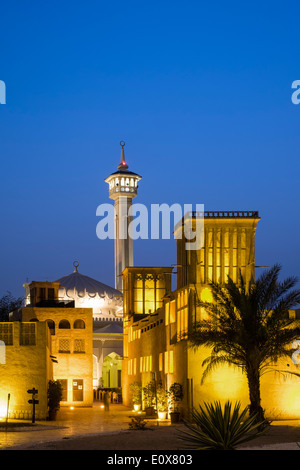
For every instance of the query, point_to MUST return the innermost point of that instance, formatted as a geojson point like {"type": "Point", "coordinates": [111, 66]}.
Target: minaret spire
{"type": "Point", "coordinates": [123, 187]}
{"type": "Point", "coordinates": [123, 165]}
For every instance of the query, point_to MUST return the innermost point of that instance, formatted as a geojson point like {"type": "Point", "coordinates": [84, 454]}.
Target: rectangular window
{"type": "Point", "coordinates": [185, 297]}
{"type": "Point", "coordinates": [79, 346]}
{"type": "Point", "coordinates": [173, 311]}
{"type": "Point", "coordinates": [6, 333]}
{"type": "Point", "coordinates": [186, 320]}
{"type": "Point", "coordinates": [182, 323]}
{"type": "Point", "coordinates": [42, 293]}
{"type": "Point", "coordinates": [210, 257]}
{"type": "Point", "coordinates": [160, 362]}
{"type": "Point", "coordinates": [50, 293]}
{"type": "Point", "coordinates": [78, 390]}
{"type": "Point", "coordinates": [234, 257]}
{"type": "Point", "coordinates": [243, 239]}
{"type": "Point", "coordinates": [166, 362]}
{"type": "Point", "coordinates": [218, 274]}
{"type": "Point", "coordinates": [226, 239]}
{"type": "Point", "coordinates": [178, 325]}
{"type": "Point", "coordinates": [139, 295]}
{"type": "Point", "coordinates": [226, 258]}
{"type": "Point", "coordinates": [167, 313]}
{"type": "Point", "coordinates": [149, 294]}
{"type": "Point", "coordinates": [182, 320]}
{"type": "Point", "coordinates": [171, 366]}
{"type": "Point", "coordinates": [64, 345]}
{"type": "Point", "coordinates": [145, 364]}
{"type": "Point", "coordinates": [27, 334]}
{"type": "Point", "coordinates": [243, 257]}
{"type": "Point", "coordinates": [234, 239]}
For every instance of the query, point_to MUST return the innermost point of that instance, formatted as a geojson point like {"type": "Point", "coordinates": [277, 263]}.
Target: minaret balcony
{"type": "Point", "coordinates": [122, 189]}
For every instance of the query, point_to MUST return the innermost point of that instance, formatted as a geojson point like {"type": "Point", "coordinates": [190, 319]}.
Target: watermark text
{"type": "Point", "coordinates": [135, 221]}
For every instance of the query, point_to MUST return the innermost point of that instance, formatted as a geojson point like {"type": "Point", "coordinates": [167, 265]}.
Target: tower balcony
{"type": "Point", "coordinates": [123, 183]}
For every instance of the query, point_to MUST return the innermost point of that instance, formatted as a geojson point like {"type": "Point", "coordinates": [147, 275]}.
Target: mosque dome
{"type": "Point", "coordinates": [81, 286]}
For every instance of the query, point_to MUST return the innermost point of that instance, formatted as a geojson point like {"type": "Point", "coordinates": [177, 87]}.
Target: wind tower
{"type": "Point", "coordinates": [123, 186]}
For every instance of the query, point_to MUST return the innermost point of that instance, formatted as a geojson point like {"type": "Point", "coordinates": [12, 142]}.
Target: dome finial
{"type": "Point", "coordinates": [123, 165]}
{"type": "Point", "coordinates": [75, 264]}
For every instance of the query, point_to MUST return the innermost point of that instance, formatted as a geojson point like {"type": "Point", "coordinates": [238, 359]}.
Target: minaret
{"type": "Point", "coordinates": [123, 185]}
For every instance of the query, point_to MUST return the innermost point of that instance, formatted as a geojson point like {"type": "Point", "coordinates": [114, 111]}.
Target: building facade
{"type": "Point", "coordinates": [71, 331]}
{"type": "Point", "coordinates": [85, 292]}
{"type": "Point", "coordinates": [25, 363]}
{"type": "Point", "coordinates": [155, 342]}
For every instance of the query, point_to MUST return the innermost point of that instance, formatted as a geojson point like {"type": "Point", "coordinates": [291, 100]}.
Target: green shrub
{"type": "Point", "coordinates": [216, 429]}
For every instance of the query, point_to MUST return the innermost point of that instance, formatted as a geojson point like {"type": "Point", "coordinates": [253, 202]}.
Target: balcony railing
{"type": "Point", "coordinates": [225, 214]}
{"type": "Point", "coordinates": [47, 303]}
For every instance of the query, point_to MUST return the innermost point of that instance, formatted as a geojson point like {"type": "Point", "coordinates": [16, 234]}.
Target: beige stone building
{"type": "Point", "coordinates": [25, 363]}
{"type": "Point", "coordinates": [71, 331]}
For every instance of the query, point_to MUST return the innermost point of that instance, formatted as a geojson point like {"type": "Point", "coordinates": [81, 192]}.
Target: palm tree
{"type": "Point", "coordinates": [247, 326]}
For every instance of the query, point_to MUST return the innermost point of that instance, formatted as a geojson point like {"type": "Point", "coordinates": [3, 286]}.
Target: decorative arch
{"type": "Point", "coordinates": [64, 324]}
{"type": "Point", "coordinates": [112, 371]}
{"type": "Point", "coordinates": [79, 324]}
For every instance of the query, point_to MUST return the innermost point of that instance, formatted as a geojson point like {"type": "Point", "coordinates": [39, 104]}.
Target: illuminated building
{"type": "Point", "coordinates": [155, 344]}
{"type": "Point", "coordinates": [71, 332]}
{"type": "Point", "coordinates": [105, 301]}
{"type": "Point", "coordinates": [107, 306]}
{"type": "Point", "coordinates": [74, 326]}
{"type": "Point", "coordinates": [83, 292]}
{"type": "Point", "coordinates": [27, 363]}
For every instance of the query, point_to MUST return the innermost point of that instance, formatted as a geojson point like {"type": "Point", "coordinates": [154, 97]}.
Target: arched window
{"type": "Point", "coordinates": [64, 324]}
{"type": "Point", "coordinates": [79, 324]}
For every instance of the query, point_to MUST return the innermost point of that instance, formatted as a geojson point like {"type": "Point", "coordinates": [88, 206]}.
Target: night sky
{"type": "Point", "coordinates": [199, 91]}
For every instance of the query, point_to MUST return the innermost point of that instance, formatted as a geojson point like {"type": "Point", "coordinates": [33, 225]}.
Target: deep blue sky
{"type": "Point", "coordinates": [201, 93]}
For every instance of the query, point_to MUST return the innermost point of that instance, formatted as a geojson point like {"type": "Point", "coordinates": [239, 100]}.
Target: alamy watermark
{"type": "Point", "coordinates": [2, 92]}
{"type": "Point", "coordinates": [296, 94]}
{"type": "Point", "coordinates": [136, 222]}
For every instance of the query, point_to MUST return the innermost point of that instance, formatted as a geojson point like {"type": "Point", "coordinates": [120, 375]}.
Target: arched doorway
{"type": "Point", "coordinates": [112, 371]}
